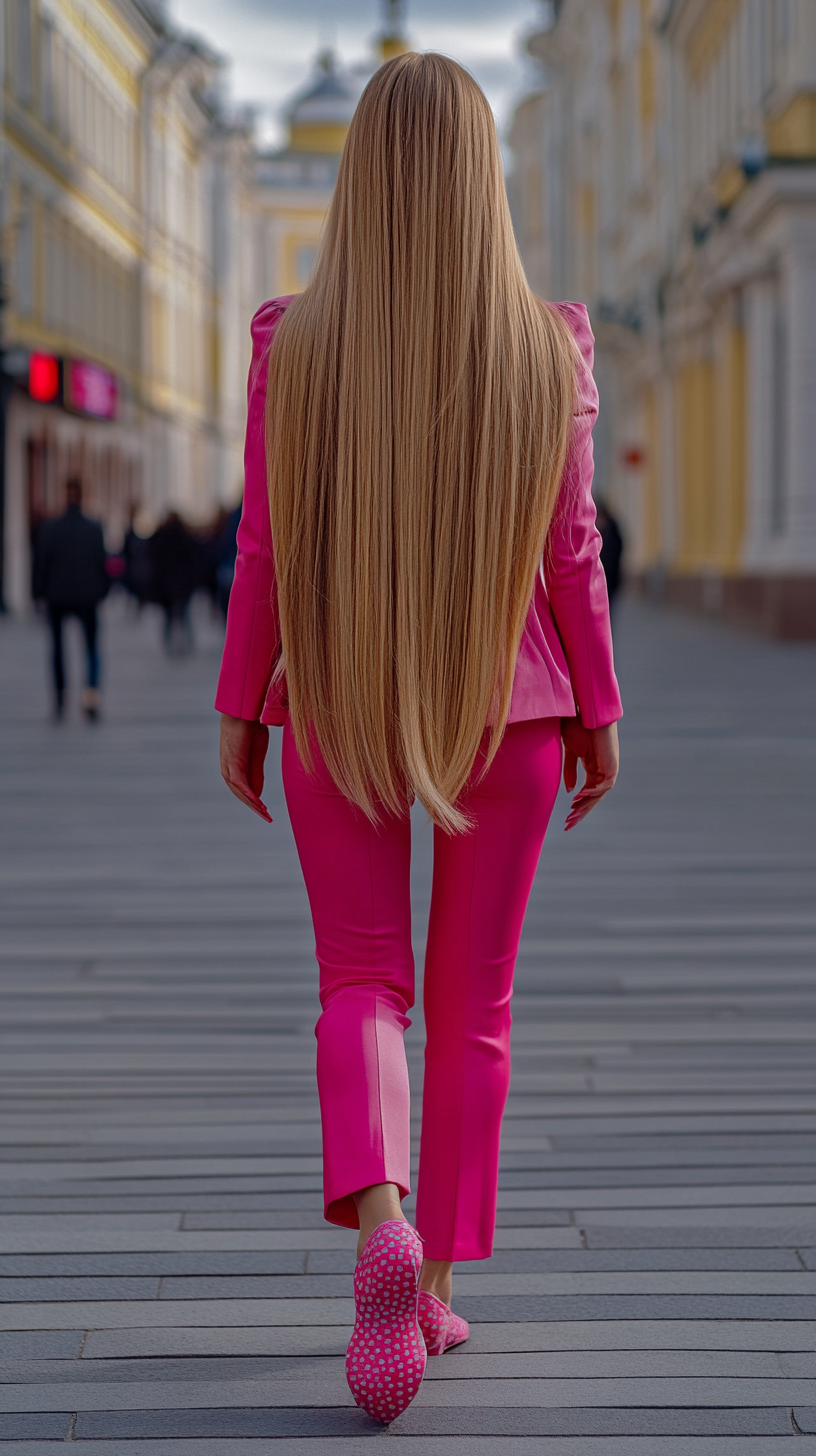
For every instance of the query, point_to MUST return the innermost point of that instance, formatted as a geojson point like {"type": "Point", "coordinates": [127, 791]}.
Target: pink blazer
{"type": "Point", "coordinates": [565, 659]}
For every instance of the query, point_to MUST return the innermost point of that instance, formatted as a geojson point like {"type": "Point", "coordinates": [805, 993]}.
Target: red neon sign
{"type": "Point", "coordinates": [43, 377]}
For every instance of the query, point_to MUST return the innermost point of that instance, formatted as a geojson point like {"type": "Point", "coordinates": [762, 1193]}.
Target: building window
{"type": "Point", "coordinates": [304, 262]}
{"type": "Point", "coordinates": [47, 95]}
{"type": "Point", "coordinates": [779, 433]}
{"type": "Point", "coordinates": [22, 50]}
{"type": "Point", "coordinates": [24, 261]}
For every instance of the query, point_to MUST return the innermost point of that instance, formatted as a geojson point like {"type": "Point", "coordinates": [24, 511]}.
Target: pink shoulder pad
{"type": "Point", "coordinates": [576, 318]}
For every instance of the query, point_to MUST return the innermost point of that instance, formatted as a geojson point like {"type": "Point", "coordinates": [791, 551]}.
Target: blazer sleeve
{"type": "Point", "coordinates": [576, 585]}
{"type": "Point", "coordinates": [252, 643]}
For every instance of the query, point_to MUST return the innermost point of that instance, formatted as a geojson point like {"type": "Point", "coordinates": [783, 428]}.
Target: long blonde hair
{"type": "Point", "coordinates": [418, 413]}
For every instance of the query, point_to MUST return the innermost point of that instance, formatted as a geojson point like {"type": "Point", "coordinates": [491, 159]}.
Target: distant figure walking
{"type": "Point", "coordinates": [611, 550]}
{"type": "Point", "coordinates": [225, 551]}
{"type": "Point", "coordinates": [175, 574]}
{"type": "Point", "coordinates": [136, 554]}
{"type": "Point", "coordinates": [70, 577]}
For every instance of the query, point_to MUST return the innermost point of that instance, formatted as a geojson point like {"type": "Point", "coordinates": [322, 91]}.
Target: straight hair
{"type": "Point", "coordinates": [419, 402]}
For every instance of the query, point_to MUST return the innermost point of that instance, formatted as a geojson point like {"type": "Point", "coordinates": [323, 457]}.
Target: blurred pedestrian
{"type": "Point", "coordinates": [225, 552]}
{"type": "Point", "coordinates": [71, 579]}
{"type": "Point", "coordinates": [611, 550]}
{"type": "Point", "coordinates": [176, 572]}
{"type": "Point", "coordinates": [429, 627]}
{"type": "Point", "coordinates": [136, 555]}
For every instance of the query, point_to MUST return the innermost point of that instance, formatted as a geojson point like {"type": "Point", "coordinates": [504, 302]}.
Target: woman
{"type": "Point", "coordinates": [431, 624]}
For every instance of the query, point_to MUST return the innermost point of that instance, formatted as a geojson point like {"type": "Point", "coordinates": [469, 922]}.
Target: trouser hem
{"type": "Point", "coordinates": [342, 1211]}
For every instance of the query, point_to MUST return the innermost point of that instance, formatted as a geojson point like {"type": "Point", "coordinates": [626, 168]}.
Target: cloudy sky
{"type": "Point", "coordinates": [271, 43]}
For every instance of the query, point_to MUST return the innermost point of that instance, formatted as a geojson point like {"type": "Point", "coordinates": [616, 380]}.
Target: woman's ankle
{"type": "Point", "coordinates": [437, 1278]}
{"type": "Point", "coordinates": [375, 1205]}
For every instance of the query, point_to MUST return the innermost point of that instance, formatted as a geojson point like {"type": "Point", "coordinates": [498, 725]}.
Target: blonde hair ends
{"type": "Point", "coordinates": [418, 413]}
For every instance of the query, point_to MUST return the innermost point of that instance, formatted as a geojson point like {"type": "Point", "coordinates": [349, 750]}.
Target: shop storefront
{"type": "Point", "coordinates": [66, 417]}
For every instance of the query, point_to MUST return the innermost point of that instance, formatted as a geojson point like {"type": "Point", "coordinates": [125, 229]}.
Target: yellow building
{"type": "Point", "coordinates": [293, 187]}
{"type": "Point", "coordinates": [124, 288]}
{"type": "Point", "coordinates": [72, 256]}
{"type": "Point", "coordinates": [666, 175]}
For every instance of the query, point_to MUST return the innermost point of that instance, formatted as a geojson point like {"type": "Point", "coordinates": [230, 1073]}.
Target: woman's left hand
{"type": "Point", "coordinates": [597, 749]}
{"type": "Point", "coordinates": [243, 750]}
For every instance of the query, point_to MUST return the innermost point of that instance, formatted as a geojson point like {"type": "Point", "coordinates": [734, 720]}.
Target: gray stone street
{"type": "Point", "coordinates": [166, 1274]}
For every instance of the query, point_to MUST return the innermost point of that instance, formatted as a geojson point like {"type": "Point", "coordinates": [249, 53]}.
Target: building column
{"type": "Point", "coordinates": [799, 275]}
{"type": "Point", "coordinates": [667, 468]}
{"type": "Point", "coordinates": [17, 543]}
{"type": "Point", "coordinates": [763, 463]}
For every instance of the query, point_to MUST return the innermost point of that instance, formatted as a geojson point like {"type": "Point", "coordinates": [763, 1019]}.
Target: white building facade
{"type": "Point", "coordinates": [666, 175]}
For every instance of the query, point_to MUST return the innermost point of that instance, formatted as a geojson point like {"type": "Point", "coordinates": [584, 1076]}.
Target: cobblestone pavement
{"type": "Point", "coordinates": [167, 1274]}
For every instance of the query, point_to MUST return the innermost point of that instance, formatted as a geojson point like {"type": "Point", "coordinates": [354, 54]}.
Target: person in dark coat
{"type": "Point", "coordinates": [226, 551]}
{"type": "Point", "coordinates": [70, 577]}
{"type": "Point", "coordinates": [611, 551]}
{"type": "Point", "coordinates": [136, 557]}
{"type": "Point", "coordinates": [176, 572]}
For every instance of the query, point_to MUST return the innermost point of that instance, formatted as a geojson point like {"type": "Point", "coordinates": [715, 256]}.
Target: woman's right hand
{"type": "Point", "coordinates": [242, 753]}
{"type": "Point", "coordinates": [597, 748]}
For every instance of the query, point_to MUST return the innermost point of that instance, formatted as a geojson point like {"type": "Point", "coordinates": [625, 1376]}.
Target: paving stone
{"type": "Point", "coordinates": [805, 1417]}
{"type": "Point", "coordinates": [781, 1218]}
{"type": "Point", "coordinates": [34, 1426]}
{"type": "Point", "coordinates": [301, 1286]}
{"type": "Point", "coordinates": [57, 1221]}
{"type": "Point", "coordinates": [500, 1421]}
{"type": "Point", "coordinates": [223, 1424]}
{"type": "Point", "coordinates": [623, 1364]}
{"type": "Point", "coordinates": [607, 1204]}
{"type": "Point", "coordinates": [144, 1343]}
{"type": "Point", "coordinates": [41, 1344]}
{"type": "Point", "coordinates": [596, 1178]}
{"type": "Point", "coordinates": [117, 1266]}
{"type": "Point", "coordinates": [26, 1290]}
{"type": "Point", "coordinates": [541, 1237]}
{"type": "Point", "coordinates": [157, 1313]}
{"type": "Point", "coordinates": [685, 1237]}
{"type": "Point", "coordinates": [216, 1240]}
{"type": "Point", "coordinates": [638, 1307]}
{"type": "Point", "coordinates": [648, 1335]}
{"type": "Point", "coordinates": [227, 1219]}
{"type": "Point", "coordinates": [532, 1218]}
{"type": "Point", "coordinates": [226, 1202]}
{"type": "Point", "coordinates": [206, 1369]}
{"type": "Point", "coordinates": [633, 1281]}
{"type": "Point", "coordinates": [511, 1261]}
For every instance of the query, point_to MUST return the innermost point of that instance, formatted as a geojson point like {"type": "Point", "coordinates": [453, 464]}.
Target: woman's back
{"type": "Point", "coordinates": [565, 656]}
{"type": "Point", "coordinates": [419, 403]}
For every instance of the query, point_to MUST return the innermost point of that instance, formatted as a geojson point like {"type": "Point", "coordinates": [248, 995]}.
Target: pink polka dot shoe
{"type": "Point", "coordinates": [385, 1361]}
{"type": "Point", "coordinates": [441, 1328]}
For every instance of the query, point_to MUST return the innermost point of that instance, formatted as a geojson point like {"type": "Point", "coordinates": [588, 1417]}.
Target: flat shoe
{"type": "Point", "coordinates": [385, 1361]}
{"type": "Point", "coordinates": [441, 1328]}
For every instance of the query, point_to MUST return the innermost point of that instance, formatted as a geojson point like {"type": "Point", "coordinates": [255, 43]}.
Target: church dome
{"type": "Point", "coordinates": [320, 118]}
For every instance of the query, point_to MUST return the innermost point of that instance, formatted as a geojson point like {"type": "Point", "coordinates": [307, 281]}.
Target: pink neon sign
{"type": "Point", "coordinates": [91, 390]}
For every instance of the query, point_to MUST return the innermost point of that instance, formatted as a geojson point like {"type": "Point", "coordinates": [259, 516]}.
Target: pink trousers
{"type": "Point", "coordinates": [357, 878]}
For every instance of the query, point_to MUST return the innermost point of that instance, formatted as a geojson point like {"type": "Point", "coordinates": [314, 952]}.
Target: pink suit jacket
{"type": "Point", "coordinates": [565, 660]}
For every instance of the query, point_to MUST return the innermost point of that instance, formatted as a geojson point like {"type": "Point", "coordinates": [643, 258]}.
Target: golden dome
{"type": "Point", "coordinates": [320, 119]}
{"type": "Point", "coordinates": [392, 41]}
